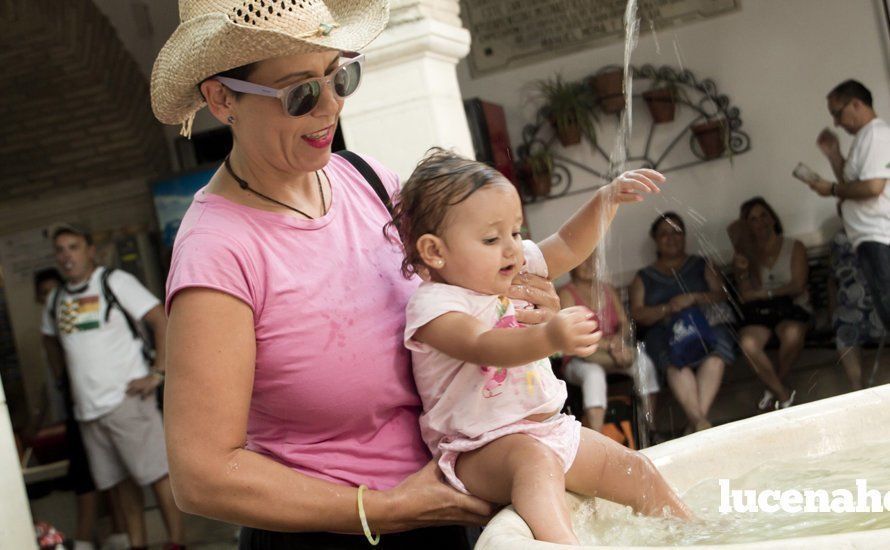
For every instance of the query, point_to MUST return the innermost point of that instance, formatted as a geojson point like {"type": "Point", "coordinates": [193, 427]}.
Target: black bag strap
{"type": "Point", "coordinates": [112, 301]}
{"type": "Point", "coordinates": [54, 305]}
{"type": "Point", "coordinates": [370, 176]}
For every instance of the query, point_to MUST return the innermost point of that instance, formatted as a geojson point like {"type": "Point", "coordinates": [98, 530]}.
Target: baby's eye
{"type": "Point", "coordinates": [490, 240]}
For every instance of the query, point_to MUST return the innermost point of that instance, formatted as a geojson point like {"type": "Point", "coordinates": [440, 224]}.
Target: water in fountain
{"type": "Point", "coordinates": [615, 526]}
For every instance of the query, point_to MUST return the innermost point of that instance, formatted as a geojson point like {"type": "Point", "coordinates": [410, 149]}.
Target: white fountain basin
{"type": "Point", "coordinates": [806, 431]}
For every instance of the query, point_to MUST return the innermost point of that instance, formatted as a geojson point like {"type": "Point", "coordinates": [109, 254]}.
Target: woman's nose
{"type": "Point", "coordinates": [328, 104]}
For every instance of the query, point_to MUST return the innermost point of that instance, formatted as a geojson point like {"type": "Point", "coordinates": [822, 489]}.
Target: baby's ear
{"type": "Point", "coordinates": [430, 248]}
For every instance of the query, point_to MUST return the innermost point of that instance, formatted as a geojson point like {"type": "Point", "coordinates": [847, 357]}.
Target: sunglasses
{"type": "Point", "coordinates": [837, 113]}
{"type": "Point", "coordinates": [299, 99]}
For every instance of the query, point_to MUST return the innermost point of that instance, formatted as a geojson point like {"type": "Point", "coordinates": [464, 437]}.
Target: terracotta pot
{"type": "Point", "coordinates": [538, 182]}
{"type": "Point", "coordinates": [569, 134]}
{"type": "Point", "coordinates": [609, 88]}
{"type": "Point", "coordinates": [661, 104]}
{"type": "Point", "coordinates": [711, 138]}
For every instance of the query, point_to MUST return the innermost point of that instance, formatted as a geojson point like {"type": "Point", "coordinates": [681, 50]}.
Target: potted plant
{"type": "Point", "coordinates": [539, 172]}
{"type": "Point", "coordinates": [661, 98]}
{"type": "Point", "coordinates": [568, 106]}
{"type": "Point", "coordinates": [609, 87]}
{"type": "Point", "coordinates": [712, 137]}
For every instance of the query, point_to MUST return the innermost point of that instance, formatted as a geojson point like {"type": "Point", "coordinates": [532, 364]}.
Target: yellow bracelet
{"type": "Point", "coordinates": [364, 519]}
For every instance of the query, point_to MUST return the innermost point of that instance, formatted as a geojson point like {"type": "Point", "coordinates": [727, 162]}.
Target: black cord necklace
{"type": "Point", "coordinates": [244, 185]}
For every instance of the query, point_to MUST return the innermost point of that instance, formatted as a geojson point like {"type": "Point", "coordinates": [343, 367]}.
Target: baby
{"type": "Point", "coordinates": [491, 404]}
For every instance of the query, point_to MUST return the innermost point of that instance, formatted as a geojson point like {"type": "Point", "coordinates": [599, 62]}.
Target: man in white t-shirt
{"type": "Point", "coordinates": [862, 184]}
{"type": "Point", "coordinates": [91, 328]}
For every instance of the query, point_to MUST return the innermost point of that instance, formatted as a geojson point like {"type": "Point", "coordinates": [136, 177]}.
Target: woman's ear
{"type": "Point", "coordinates": [219, 99]}
{"type": "Point", "coordinates": [431, 250]}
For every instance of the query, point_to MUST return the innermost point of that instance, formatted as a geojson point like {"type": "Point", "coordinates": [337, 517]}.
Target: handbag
{"type": "Point", "coordinates": [691, 337]}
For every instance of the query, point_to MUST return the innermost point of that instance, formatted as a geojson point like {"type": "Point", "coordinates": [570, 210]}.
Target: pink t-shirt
{"type": "Point", "coordinates": [465, 400]}
{"type": "Point", "coordinates": [333, 396]}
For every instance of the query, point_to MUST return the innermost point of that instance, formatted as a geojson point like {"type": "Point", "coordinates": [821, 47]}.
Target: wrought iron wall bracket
{"type": "Point", "coordinates": [701, 97]}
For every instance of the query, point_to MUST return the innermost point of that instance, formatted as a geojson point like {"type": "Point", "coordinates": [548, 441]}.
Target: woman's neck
{"type": "Point", "coordinates": [671, 262]}
{"type": "Point", "coordinates": [768, 244]}
{"type": "Point", "coordinates": [263, 176]}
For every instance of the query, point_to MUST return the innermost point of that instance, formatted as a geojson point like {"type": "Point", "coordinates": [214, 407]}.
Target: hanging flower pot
{"type": "Point", "coordinates": [569, 108]}
{"type": "Point", "coordinates": [711, 137]}
{"type": "Point", "coordinates": [538, 171]}
{"type": "Point", "coordinates": [609, 88]}
{"type": "Point", "coordinates": [569, 132]}
{"type": "Point", "coordinates": [661, 104]}
{"type": "Point", "coordinates": [541, 183]}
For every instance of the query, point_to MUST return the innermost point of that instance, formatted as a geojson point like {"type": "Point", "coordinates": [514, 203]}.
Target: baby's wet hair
{"type": "Point", "coordinates": [442, 179]}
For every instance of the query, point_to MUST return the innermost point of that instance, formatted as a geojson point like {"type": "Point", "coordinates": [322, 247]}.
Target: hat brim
{"type": "Point", "coordinates": [209, 44]}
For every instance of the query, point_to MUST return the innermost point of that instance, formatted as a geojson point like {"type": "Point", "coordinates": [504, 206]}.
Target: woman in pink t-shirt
{"type": "Point", "coordinates": [288, 386]}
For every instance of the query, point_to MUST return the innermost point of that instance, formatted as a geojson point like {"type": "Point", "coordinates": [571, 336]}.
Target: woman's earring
{"type": "Point", "coordinates": [440, 263]}
{"type": "Point", "coordinates": [230, 119]}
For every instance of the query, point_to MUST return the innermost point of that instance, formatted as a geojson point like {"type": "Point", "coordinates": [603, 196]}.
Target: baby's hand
{"type": "Point", "coordinates": [574, 331]}
{"type": "Point", "coordinates": [633, 185]}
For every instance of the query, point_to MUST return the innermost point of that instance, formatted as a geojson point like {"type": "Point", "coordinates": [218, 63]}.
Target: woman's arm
{"type": "Point", "coordinates": [464, 337]}
{"type": "Point", "coordinates": [210, 366]}
{"type": "Point", "coordinates": [621, 314]}
{"type": "Point", "coordinates": [715, 293]}
{"type": "Point", "coordinates": [639, 312]}
{"type": "Point", "coordinates": [578, 237]}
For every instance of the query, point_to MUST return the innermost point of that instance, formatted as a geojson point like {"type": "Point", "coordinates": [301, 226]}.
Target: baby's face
{"type": "Point", "coordinates": [483, 247]}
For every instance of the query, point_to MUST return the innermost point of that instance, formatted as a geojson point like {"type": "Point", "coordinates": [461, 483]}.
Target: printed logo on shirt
{"type": "Point", "coordinates": [79, 314]}
{"type": "Point", "coordinates": [495, 377]}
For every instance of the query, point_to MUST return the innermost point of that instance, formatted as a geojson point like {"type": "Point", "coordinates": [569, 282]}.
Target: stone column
{"type": "Point", "coordinates": [409, 100]}
{"type": "Point", "coordinates": [16, 527]}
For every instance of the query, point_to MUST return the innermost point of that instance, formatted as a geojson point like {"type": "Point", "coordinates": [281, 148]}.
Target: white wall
{"type": "Point", "coordinates": [776, 60]}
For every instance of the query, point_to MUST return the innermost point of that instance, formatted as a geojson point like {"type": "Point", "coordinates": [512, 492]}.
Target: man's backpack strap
{"type": "Point", "coordinates": [111, 301]}
{"type": "Point", "coordinates": [54, 305]}
{"type": "Point", "coordinates": [370, 176]}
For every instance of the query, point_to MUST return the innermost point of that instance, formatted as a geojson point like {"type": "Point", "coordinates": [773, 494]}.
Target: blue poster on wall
{"type": "Point", "coordinates": [172, 197]}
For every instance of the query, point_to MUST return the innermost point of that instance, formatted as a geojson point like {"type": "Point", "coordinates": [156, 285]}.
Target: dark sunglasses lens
{"type": "Point", "coordinates": [303, 98]}
{"type": "Point", "coordinates": [346, 79]}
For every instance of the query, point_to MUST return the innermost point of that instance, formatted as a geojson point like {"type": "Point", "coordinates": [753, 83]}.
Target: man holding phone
{"type": "Point", "coordinates": [861, 184]}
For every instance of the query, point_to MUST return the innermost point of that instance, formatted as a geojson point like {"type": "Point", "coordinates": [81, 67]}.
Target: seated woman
{"type": "Point", "coordinates": [854, 317]}
{"type": "Point", "coordinates": [772, 284]}
{"type": "Point", "coordinates": [660, 295]}
{"type": "Point", "coordinates": [615, 354]}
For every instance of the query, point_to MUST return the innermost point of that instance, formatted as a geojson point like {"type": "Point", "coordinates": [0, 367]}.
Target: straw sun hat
{"type": "Point", "coordinates": [218, 35]}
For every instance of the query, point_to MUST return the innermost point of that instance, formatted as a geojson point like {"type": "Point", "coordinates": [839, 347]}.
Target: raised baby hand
{"type": "Point", "coordinates": [633, 185]}
{"type": "Point", "coordinates": [574, 331]}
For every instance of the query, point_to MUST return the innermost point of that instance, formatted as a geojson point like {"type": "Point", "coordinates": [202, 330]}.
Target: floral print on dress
{"type": "Point", "coordinates": [855, 319]}
{"type": "Point", "coordinates": [495, 377]}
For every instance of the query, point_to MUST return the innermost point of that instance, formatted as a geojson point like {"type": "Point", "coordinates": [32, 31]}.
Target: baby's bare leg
{"type": "Point", "coordinates": [605, 469]}
{"type": "Point", "coordinates": [519, 469]}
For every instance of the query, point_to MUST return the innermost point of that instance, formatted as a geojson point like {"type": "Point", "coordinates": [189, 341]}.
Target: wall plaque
{"type": "Point", "coordinates": [511, 33]}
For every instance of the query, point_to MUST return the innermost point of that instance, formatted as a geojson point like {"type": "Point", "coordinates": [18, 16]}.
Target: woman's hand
{"type": "Point", "coordinates": [424, 499]}
{"type": "Point", "coordinates": [753, 294]}
{"type": "Point", "coordinates": [681, 302]}
{"type": "Point", "coordinates": [622, 354]}
{"type": "Point", "coordinates": [537, 291]}
{"type": "Point", "coordinates": [633, 185]}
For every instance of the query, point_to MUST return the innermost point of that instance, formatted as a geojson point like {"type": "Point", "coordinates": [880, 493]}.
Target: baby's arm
{"type": "Point", "coordinates": [578, 237]}
{"type": "Point", "coordinates": [464, 337]}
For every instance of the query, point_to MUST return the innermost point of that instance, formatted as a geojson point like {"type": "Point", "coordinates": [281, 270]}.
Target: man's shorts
{"type": "Point", "coordinates": [126, 442]}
